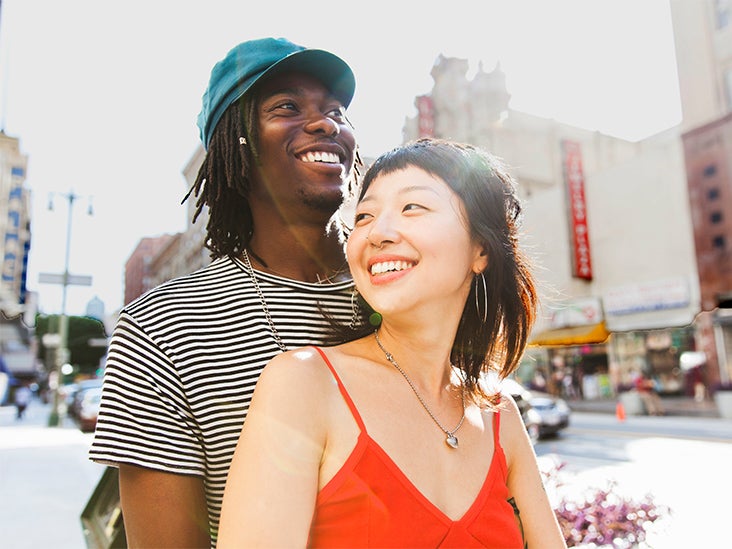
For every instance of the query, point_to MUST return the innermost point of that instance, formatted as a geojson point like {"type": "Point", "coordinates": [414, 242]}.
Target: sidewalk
{"type": "Point", "coordinates": [674, 406]}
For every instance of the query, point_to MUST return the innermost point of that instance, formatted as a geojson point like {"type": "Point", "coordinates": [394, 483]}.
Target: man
{"type": "Point", "coordinates": [184, 358]}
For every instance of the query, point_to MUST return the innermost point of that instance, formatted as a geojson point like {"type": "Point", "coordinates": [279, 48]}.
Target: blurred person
{"type": "Point", "coordinates": [185, 357]}
{"type": "Point", "coordinates": [21, 400]}
{"type": "Point", "coordinates": [391, 439]}
{"type": "Point", "coordinates": [646, 388]}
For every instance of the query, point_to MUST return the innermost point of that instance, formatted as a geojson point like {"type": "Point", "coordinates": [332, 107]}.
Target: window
{"type": "Point", "coordinates": [710, 171]}
{"type": "Point", "coordinates": [718, 242]}
{"type": "Point", "coordinates": [713, 193]}
{"type": "Point", "coordinates": [716, 217]}
{"type": "Point", "coordinates": [722, 11]}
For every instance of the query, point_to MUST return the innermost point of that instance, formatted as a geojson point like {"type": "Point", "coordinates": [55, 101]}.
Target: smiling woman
{"type": "Point", "coordinates": [390, 439]}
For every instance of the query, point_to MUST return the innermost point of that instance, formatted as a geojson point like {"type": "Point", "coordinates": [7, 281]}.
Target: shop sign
{"type": "Point", "coordinates": [578, 312]}
{"type": "Point", "coordinates": [425, 116]}
{"type": "Point", "coordinates": [672, 293]}
{"type": "Point", "coordinates": [579, 234]}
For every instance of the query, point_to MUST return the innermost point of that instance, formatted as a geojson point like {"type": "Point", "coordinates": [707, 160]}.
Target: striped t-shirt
{"type": "Point", "coordinates": [183, 362]}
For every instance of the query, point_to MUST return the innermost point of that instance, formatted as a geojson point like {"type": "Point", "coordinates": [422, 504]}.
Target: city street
{"type": "Point", "coordinates": [683, 462]}
{"type": "Point", "coordinates": [46, 479]}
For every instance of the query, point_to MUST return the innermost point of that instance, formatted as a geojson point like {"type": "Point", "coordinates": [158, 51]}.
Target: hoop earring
{"type": "Point", "coordinates": [355, 310]}
{"type": "Point", "coordinates": [485, 298]}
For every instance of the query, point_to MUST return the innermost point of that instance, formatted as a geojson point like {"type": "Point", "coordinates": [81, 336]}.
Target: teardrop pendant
{"type": "Point", "coordinates": [452, 441]}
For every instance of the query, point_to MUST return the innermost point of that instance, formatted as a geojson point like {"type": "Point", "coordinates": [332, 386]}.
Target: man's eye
{"type": "Point", "coordinates": [338, 113]}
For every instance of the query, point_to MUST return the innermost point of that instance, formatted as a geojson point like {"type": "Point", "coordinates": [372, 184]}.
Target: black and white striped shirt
{"type": "Point", "coordinates": [183, 362]}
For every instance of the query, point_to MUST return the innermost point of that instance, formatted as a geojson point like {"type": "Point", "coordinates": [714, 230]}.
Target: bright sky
{"type": "Point", "coordinates": [104, 95]}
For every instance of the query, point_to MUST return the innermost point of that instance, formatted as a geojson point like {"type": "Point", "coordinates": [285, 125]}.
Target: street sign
{"type": "Point", "coordinates": [55, 278]}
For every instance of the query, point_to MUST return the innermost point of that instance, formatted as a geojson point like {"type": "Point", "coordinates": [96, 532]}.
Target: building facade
{"type": "Point", "coordinates": [138, 274]}
{"type": "Point", "coordinates": [608, 227]}
{"type": "Point", "coordinates": [703, 38]}
{"type": "Point", "coordinates": [14, 225]}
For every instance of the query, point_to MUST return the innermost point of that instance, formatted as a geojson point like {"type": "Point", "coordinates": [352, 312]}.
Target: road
{"type": "Point", "coordinates": [46, 478]}
{"type": "Point", "coordinates": [682, 462]}
{"type": "Point", "coordinates": [45, 481]}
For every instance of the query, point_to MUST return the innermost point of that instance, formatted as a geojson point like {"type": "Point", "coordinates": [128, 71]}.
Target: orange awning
{"type": "Point", "coordinates": [576, 335]}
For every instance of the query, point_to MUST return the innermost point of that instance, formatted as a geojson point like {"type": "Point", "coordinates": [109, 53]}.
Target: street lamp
{"type": "Point", "coordinates": [62, 353]}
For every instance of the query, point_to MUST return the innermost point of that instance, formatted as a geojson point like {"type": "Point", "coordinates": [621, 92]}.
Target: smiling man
{"type": "Point", "coordinates": [184, 358]}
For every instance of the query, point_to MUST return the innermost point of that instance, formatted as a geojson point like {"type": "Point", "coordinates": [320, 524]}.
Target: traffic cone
{"type": "Point", "coordinates": [620, 411]}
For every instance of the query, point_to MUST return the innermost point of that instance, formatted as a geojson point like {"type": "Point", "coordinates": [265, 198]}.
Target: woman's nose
{"type": "Point", "coordinates": [383, 230]}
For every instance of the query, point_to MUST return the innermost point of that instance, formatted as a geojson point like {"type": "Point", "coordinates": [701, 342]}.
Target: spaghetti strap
{"type": "Point", "coordinates": [343, 391]}
{"type": "Point", "coordinates": [496, 428]}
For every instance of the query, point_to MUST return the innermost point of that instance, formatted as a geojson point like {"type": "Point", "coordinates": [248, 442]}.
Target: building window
{"type": "Point", "coordinates": [718, 242]}
{"type": "Point", "coordinates": [713, 193]}
{"type": "Point", "coordinates": [710, 171]}
{"type": "Point", "coordinates": [728, 87]}
{"type": "Point", "coordinates": [722, 12]}
{"type": "Point", "coordinates": [716, 217]}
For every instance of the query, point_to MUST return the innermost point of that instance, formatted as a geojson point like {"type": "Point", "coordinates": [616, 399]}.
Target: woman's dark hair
{"type": "Point", "coordinates": [493, 212]}
{"type": "Point", "coordinates": [223, 185]}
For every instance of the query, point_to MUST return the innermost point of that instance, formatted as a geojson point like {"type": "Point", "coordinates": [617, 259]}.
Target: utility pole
{"type": "Point", "coordinates": [62, 353]}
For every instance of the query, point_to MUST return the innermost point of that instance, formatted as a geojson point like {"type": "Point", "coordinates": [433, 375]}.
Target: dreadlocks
{"type": "Point", "coordinates": [222, 183]}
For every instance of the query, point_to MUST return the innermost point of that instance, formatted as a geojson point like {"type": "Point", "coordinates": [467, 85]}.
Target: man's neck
{"type": "Point", "coordinates": [299, 257]}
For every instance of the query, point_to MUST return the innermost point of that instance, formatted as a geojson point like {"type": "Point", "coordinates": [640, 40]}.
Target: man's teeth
{"type": "Point", "coordinates": [320, 156]}
{"type": "Point", "coordinates": [387, 266]}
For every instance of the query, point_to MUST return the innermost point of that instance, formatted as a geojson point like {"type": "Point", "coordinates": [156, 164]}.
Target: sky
{"type": "Point", "coordinates": [104, 94]}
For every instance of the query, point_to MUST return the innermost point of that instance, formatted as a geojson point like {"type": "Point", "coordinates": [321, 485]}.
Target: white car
{"type": "Point", "coordinates": [547, 414]}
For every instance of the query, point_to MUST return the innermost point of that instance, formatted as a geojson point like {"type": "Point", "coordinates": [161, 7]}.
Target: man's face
{"type": "Point", "coordinates": [305, 149]}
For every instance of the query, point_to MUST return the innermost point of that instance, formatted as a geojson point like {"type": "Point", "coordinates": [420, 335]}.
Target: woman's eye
{"type": "Point", "coordinates": [361, 217]}
{"type": "Point", "coordinates": [412, 206]}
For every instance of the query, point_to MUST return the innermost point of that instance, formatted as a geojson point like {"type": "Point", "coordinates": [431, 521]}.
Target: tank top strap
{"type": "Point", "coordinates": [496, 428]}
{"type": "Point", "coordinates": [342, 389]}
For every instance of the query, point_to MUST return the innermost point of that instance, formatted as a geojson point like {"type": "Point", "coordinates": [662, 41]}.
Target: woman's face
{"type": "Point", "coordinates": [410, 249]}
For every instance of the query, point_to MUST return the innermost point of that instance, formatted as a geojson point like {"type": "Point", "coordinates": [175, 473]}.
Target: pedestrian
{"type": "Point", "coordinates": [21, 399]}
{"type": "Point", "coordinates": [646, 389]}
{"type": "Point", "coordinates": [391, 439]}
{"type": "Point", "coordinates": [184, 358]}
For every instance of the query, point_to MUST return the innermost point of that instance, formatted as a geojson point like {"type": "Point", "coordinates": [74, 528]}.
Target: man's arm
{"type": "Point", "coordinates": [163, 510]}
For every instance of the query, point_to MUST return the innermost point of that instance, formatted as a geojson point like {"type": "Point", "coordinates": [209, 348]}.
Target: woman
{"type": "Point", "coordinates": [391, 439]}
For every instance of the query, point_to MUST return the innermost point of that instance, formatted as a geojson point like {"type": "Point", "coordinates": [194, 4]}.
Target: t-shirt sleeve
{"type": "Point", "coordinates": [144, 418]}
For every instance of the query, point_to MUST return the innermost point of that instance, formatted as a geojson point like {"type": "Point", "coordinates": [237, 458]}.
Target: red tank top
{"type": "Point", "coordinates": [371, 503]}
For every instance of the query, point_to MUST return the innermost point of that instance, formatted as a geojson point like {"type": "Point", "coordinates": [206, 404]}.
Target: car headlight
{"type": "Point", "coordinates": [562, 406]}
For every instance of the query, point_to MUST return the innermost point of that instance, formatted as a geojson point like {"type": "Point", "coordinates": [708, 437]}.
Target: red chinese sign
{"type": "Point", "coordinates": [426, 116]}
{"type": "Point", "coordinates": [580, 237]}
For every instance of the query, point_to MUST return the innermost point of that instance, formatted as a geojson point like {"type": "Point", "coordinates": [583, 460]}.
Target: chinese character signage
{"type": "Point", "coordinates": [579, 238]}
{"type": "Point", "coordinates": [426, 116]}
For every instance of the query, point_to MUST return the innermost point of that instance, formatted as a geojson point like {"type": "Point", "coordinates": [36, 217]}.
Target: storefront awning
{"type": "Point", "coordinates": [576, 335]}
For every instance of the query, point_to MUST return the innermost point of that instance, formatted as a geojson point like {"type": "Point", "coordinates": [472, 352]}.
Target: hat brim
{"type": "Point", "coordinates": [331, 70]}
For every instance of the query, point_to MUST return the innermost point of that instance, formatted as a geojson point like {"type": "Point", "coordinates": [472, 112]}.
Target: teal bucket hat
{"type": "Point", "coordinates": [247, 63]}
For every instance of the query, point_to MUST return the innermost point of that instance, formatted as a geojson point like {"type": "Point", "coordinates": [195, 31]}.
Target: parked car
{"type": "Point", "coordinates": [77, 395]}
{"type": "Point", "coordinates": [89, 409]}
{"type": "Point", "coordinates": [548, 415]}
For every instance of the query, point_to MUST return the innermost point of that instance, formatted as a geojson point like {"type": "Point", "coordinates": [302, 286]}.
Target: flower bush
{"type": "Point", "coordinates": [601, 517]}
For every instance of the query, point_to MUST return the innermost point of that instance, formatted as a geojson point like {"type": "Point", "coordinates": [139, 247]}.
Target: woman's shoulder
{"type": "Point", "coordinates": [297, 368]}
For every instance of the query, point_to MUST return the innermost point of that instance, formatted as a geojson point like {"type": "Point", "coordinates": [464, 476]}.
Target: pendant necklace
{"type": "Point", "coordinates": [451, 440]}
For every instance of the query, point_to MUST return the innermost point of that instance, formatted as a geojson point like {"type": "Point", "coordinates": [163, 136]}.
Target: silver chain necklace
{"type": "Point", "coordinates": [275, 333]}
{"type": "Point", "coordinates": [451, 440]}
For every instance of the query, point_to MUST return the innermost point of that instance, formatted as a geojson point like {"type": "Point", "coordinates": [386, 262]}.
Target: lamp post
{"type": "Point", "coordinates": [62, 353]}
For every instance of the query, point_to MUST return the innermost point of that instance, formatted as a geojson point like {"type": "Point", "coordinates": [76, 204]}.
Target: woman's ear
{"type": "Point", "coordinates": [480, 263]}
